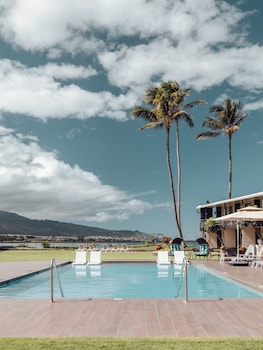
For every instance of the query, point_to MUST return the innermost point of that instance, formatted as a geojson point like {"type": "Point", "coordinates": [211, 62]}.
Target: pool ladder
{"type": "Point", "coordinates": [184, 271]}
{"type": "Point", "coordinates": [53, 266]}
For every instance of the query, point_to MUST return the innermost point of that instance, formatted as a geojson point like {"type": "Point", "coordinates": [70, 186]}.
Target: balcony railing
{"type": "Point", "coordinates": [233, 224]}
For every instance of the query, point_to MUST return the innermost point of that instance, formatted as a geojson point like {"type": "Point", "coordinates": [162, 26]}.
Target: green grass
{"type": "Point", "coordinates": [131, 344]}
{"type": "Point", "coordinates": [60, 254]}
{"type": "Point", "coordinates": [69, 254]}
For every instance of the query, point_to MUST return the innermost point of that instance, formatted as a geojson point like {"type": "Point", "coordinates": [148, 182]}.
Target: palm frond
{"type": "Point", "coordinates": [194, 103]}
{"type": "Point", "coordinates": [144, 113]}
{"type": "Point", "coordinates": [207, 135]}
{"type": "Point", "coordinates": [151, 125]}
{"type": "Point", "coordinates": [212, 123]}
{"type": "Point", "coordinates": [187, 117]}
{"type": "Point", "coordinates": [216, 109]}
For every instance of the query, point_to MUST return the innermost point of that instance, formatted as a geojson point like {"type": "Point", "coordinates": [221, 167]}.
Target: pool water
{"type": "Point", "coordinates": [127, 280]}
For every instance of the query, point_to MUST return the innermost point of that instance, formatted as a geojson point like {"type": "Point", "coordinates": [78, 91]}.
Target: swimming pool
{"type": "Point", "coordinates": [129, 280]}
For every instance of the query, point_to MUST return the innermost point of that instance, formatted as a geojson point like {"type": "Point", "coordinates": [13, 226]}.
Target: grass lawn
{"type": "Point", "coordinates": [69, 255]}
{"type": "Point", "coordinates": [60, 254]}
{"type": "Point", "coordinates": [131, 344]}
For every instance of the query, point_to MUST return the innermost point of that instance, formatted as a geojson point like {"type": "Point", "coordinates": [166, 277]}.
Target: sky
{"type": "Point", "coordinates": [70, 74]}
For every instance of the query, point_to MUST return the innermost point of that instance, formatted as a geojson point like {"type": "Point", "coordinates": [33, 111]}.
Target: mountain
{"type": "Point", "coordinates": [11, 223]}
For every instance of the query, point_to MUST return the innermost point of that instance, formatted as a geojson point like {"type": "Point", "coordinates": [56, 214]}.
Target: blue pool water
{"type": "Point", "coordinates": [127, 280]}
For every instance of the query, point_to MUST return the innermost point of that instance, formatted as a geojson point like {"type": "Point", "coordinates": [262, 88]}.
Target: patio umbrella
{"type": "Point", "coordinates": [244, 214]}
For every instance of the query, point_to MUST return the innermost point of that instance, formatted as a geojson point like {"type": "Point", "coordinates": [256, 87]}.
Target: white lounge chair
{"type": "Point", "coordinates": [80, 258]}
{"type": "Point", "coordinates": [124, 248]}
{"type": "Point", "coordinates": [163, 257]}
{"type": "Point", "coordinates": [115, 248]}
{"type": "Point", "coordinates": [224, 258]}
{"type": "Point", "coordinates": [95, 258]}
{"type": "Point", "coordinates": [244, 259]}
{"type": "Point", "coordinates": [179, 257]}
{"type": "Point", "coordinates": [249, 254]}
{"type": "Point", "coordinates": [105, 248]}
{"type": "Point", "coordinates": [258, 262]}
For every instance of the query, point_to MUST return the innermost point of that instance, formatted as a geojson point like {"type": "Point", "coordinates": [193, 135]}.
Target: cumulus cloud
{"type": "Point", "coordinates": [40, 24]}
{"type": "Point", "coordinates": [198, 43]}
{"type": "Point", "coordinates": [38, 92]}
{"type": "Point", "coordinates": [35, 183]}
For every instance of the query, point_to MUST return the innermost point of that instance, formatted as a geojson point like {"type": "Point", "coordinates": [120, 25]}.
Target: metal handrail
{"type": "Point", "coordinates": [184, 270]}
{"type": "Point", "coordinates": [53, 266]}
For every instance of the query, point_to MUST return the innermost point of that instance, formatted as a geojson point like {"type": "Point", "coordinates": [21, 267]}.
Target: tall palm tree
{"type": "Point", "coordinates": [227, 121]}
{"type": "Point", "coordinates": [163, 108]}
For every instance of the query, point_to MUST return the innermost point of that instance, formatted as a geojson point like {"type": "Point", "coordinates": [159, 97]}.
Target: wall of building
{"type": "Point", "coordinates": [248, 236]}
{"type": "Point", "coordinates": [229, 237]}
{"type": "Point", "coordinates": [211, 239]}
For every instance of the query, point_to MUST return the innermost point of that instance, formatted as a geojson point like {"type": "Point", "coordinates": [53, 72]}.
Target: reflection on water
{"type": "Point", "coordinates": [163, 271]}
{"type": "Point", "coordinates": [80, 271]}
{"type": "Point", "coordinates": [95, 271]}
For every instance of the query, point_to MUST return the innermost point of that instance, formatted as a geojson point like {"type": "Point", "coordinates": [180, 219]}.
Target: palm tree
{"type": "Point", "coordinates": [227, 121]}
{"type": "Point", "coordinates": [164, 107]}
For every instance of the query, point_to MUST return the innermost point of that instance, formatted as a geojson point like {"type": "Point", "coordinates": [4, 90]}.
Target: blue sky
{"type": "Point", "coordinates": [71, 72]}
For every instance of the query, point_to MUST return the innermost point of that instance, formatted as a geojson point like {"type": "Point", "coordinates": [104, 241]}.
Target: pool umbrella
{"type": "Point", "coordinates": [245, 214]}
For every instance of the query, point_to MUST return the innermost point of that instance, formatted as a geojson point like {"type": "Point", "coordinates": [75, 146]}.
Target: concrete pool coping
{"type": "Point", "coordinates": [133, 317]}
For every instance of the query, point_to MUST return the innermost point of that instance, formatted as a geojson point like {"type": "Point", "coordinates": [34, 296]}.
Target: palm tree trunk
{"type": "Point", "coordinates": [178, 171]}
{"type": "Point", "coordinates": [171, 181]}
{"type": "Point", "coordinates": [230, 166]}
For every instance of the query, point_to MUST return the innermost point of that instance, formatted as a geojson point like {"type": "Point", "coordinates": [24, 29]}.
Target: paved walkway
{"type": "Point", "coordinates": [133, 317]}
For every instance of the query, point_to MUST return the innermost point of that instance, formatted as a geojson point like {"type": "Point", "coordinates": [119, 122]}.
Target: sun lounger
{"type": "Point", "coordinates": [80, 258]}
{"type": "Point", "coordinates": [244, 259]}
{"type": "Point", "coordinates": [115, 248]}
{"type": "Point", "coordinates": [224, 258]}
{"type": "Point", "coordinates": [249, 254]}
{"type": "Point", "coordinates": [95, 258]}
{"type": "Point", "coordinates": [105, 248]}
{"type": "Point", "coordinates": [124, 248]}
{"type": "Point", "coordinates": [179, 257]}
{"type": "Point", "coordinates": [163, 257]}
{"type": "Point", "coordinates": [258, 262]}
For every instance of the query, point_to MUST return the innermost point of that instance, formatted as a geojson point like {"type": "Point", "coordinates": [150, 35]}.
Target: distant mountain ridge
{"type": "Point", "coordinates": [12, 223]}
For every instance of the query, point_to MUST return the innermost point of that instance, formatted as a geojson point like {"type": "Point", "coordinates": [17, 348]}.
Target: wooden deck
{"type": "Point", "coordinates": [134, 317]}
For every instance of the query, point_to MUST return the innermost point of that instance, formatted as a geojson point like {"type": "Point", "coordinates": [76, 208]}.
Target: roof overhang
{"type": "Point", "coordinates": [232, 200]}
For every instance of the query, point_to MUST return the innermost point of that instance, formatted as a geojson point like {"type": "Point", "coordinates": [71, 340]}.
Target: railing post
{"type": "Point", "coordinates": [51, 282]}
{"type": "Point", "coordinates": [186, 280]}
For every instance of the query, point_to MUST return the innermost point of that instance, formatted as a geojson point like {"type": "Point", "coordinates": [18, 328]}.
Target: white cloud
{"type": "Point", "coordinates": [198, 43]}
{"type": "Point", "coordinates": [41, 24]}
{"type": "Point", "coordinates": [35, 92]}
{"type": "Point", "coordinates": [63, 71]}
{"type": "Point", "coordinates": [35, 183]}
{"type": "Point", "coordinates": [253, 106]}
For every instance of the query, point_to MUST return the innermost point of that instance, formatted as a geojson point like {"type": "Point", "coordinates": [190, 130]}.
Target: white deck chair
{"type": "Point", "coordinates": [105, 248]}
{"type": "Point", "coordinates": [95, 258]}
{"type": "Point", "coordinates": [249, 254]}
{"type": "Point", "coordinates": [163, 257]}
{"type": "Point", "coordinates": [258, 262]}
{"type": "Point", "coordinates": [124, 248]}
{"type": "Point", "coordinates": [80, 258]}
{"type": "Point", "coordinates": [179, 257]}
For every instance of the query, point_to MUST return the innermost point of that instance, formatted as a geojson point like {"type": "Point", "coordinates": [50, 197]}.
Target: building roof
{"type": "Point", "coordinates": [236, 199]}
